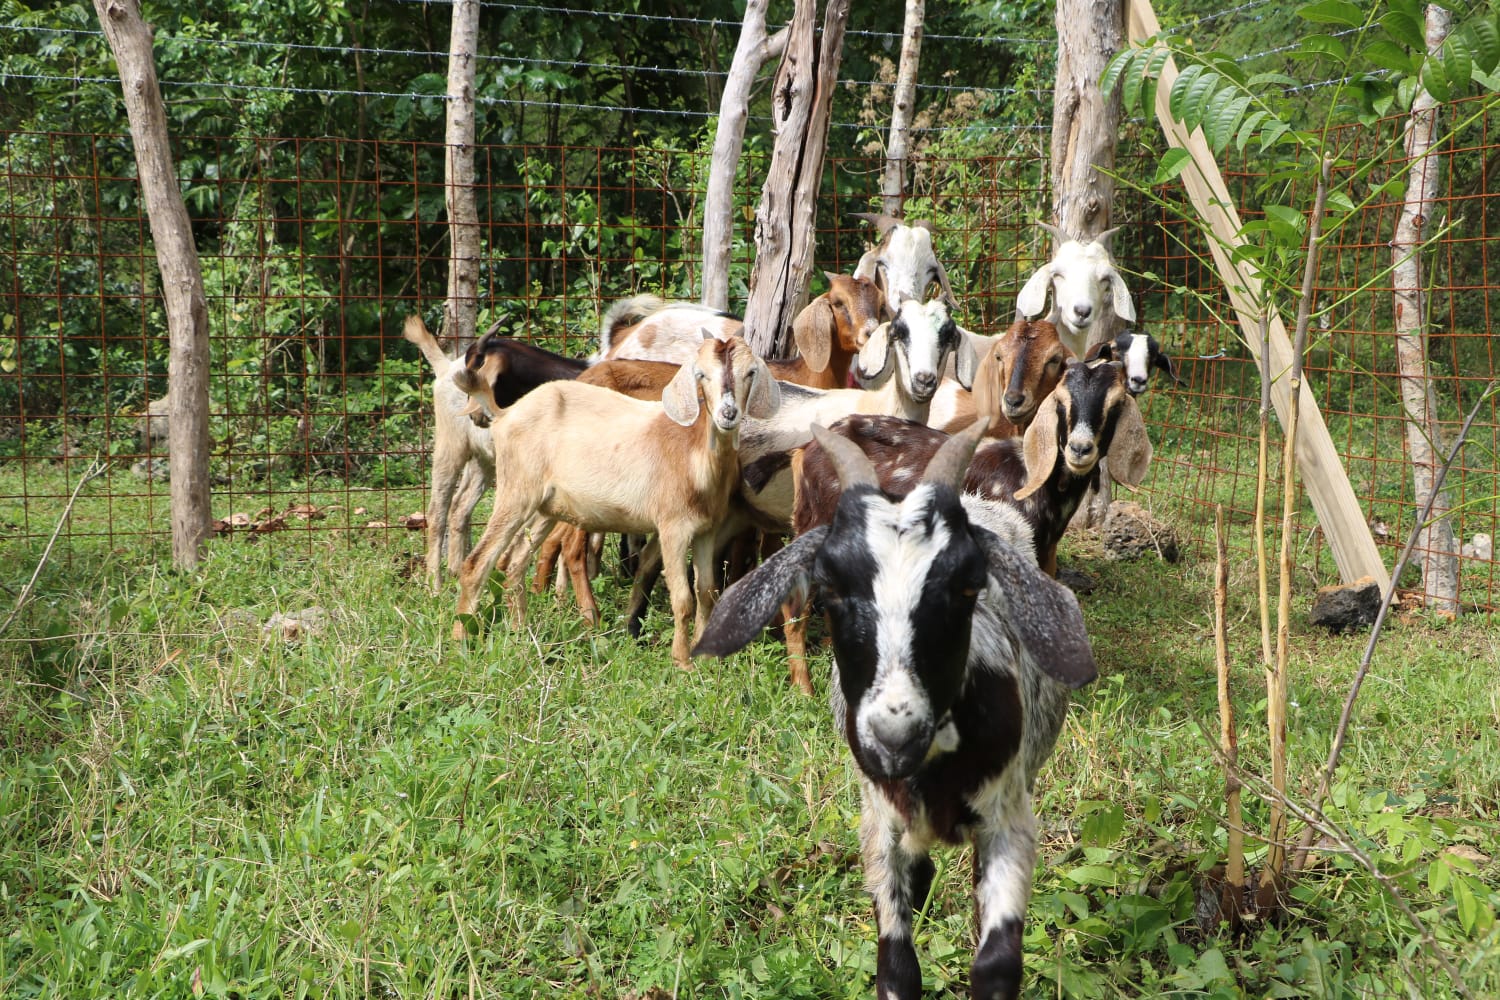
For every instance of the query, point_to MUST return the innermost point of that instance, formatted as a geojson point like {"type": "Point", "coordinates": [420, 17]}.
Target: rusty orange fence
{"type": "Point", "coordinates": [315, 250]}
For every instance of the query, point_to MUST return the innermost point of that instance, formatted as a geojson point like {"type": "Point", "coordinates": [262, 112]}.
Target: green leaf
{"type": "Point", "coordinates": [1323, 45]}
{"type": "Point", "coordinates": [1173, 162]}
{"type": "Point", "coordinates": [1177, 98]}
{"type": "Point", "coordinates": [1338, 12]}
{"type": "Point", "coordinates": [1248, 126]}
{"type": "Point", "coordinates": [1404, 30]}
{"type": "Point", "coordinates": [1200, 98]}
{"type": "Point", "coordinates": [1468, 906]}
{"type": "Point", "coordinates": [1434, 80]}
{"type": "Point", "coordinates": [1286, 223]}
{"type": "Point", "coordinates": [1224, 121]}
{"type": "Point", "coordinates": [1272, 132]}
{"type": "Point", "coordinates": [1458, 63]}
{"type": "Point", "coordinates": [1104, 825]}
{"type": "Point", "coordinates": [1340, 201]}
{"type": "Point", "coordinates": [1484, 42]}
{"type": "Point", "coordinates": [1389, 55]}
{"type": "Point", "coordinates": [1261, 81]}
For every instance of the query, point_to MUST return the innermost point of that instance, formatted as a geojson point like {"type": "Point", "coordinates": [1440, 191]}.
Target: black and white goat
{"type": "Point", "coordinates": [1139, 352]}
{"type": "Point", "coordinates": [953, 657]}
{"type": "Point", "coordinates": [1086, 289]}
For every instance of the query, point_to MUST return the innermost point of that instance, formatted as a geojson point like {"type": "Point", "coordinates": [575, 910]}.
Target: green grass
{"type": "Point", "coordinates": [190, 807]}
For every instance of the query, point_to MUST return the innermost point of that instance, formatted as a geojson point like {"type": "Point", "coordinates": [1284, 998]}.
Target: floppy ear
{"type": "Point", "coordinates": [1130, 448]}
{"type": "Point", "coordinates": [1042, 613]}
{"type": "Point", "coordinates": [748, 606]}
{"type": "Point", "coordinates": [765, 393]}
{"type": "Point", "coordinates": [965, 358]}
{"type": "Point", "coordinates": [1124, 308]}
{"type": "Point", "coordinates": [875, 357]}
{"type": "Point", "coordinates": [1032, 301]}
{"type": "Point", "coordinates": [1164, 362]}
{"type": "Point", "coordinates": [1039, 447]}
{"type": "Point", "coordinates": [1102, 351]}
{"type": "Point", "coordinates": [680, 397]}
{"type": "Point", "coordinates": [987, 385]}
{"type": "Point", "coordinates": [812, 331]}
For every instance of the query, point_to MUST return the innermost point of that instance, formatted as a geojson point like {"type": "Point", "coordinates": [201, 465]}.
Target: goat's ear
{"type": "Point", "coordinates": [749, 605]}
{"type": "Point", "coordinates": [1130, 448]}
{"type": "Point", "coordinates": [1039, 447]}
{"type": "Point", "coordinates": [1124, 308]}
{"type": "Point", "coordinates": [765, 393]}
{"type": "Point", "coordinates": [965, 358]}
{"type": "Point", "coordinates": [1032, 301]}
{"type": "Point", "coordinates": [875, 357]}
{"type": "Point", "coordinates": [987, 391]}
{"type": "Point", "coordinates": [680, 397]}
{"type": "Point", "coordinates": [812, 331]}
{"type": "Point", "coordinates": [1042, 613]}
{"type": "Point", "coordinates": [1164, 362]}
{"type": "Point", "coordinates": [1102, 351]}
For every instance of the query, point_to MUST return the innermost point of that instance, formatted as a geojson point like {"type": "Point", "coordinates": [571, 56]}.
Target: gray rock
{"type": "Point", "coordinates": [1131, 531]}
{"type": "Point", "coordinates": [1349, 606]}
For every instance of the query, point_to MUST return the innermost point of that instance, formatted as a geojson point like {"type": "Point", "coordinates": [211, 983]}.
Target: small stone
{"type": "Point", "coordinates": [1131, 531]}
{"type": "Point", "coordinates": [1347, 606]}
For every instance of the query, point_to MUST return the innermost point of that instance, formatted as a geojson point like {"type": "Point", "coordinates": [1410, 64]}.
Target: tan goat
{"type": "Point", "coordinates": [606, 462]}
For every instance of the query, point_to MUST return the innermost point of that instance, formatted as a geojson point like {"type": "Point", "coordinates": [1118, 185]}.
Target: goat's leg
{"type": "Point", "coordinates": [898, 879]}
{"type": "Point", "coordinates": [675, 543]}
{"type": "Point", "coordinates": [460, 515]}
{"type": "Point", "coordinates": [794, 612]}
{"type": "Point", "coordinates": [448, 469]}
{"type": "Point", "coordinates": [648, 571]}
{"type": "Point", "coordinates": [705, 583]}
{"type": "Point", "coordinates": [546, 556]}
{"type": "Point", "coordinates": [1004, 860]}
{"type": "Point", "coordinates": [499, 533]}
{"type": "Point", "coordinates": [575, 558]}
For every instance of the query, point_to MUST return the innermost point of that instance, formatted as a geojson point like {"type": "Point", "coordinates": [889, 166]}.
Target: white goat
{"type": "Point", "coordinates": [649, 328]}
{"type": "Point", "coordinates": [606, 462]}
{"type": "Point", "coordinates": [1085, 288]}
{"type": "Point", "coordinates": [903, 263]}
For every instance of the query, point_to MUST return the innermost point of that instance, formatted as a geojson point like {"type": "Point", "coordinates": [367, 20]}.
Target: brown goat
{"type": "Point", "coordinates": [1019, 368]}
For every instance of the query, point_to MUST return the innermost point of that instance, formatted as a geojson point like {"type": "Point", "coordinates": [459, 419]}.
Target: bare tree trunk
{"type": "Point", "coordinates": [786, 218]}
{"type": "Point", "coordinates": [461, 313]}
{"type": "Point", "coordinates": [1085, 130]}
{"type": "Point", "coordinates": [893, 183]}
{"type": "Point", "coordinates": [753, 51]}
{"type": "Point", "coordinates": [182, 282]}
{"type": "Point", "coordinates": [1423, 436]}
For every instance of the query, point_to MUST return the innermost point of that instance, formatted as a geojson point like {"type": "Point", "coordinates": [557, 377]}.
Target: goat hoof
{"type": "Point", "coordinates": [460, 632]}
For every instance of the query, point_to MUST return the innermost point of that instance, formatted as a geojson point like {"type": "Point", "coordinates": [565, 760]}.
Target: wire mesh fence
{"type": "Point", "coordinates": [314, 250]}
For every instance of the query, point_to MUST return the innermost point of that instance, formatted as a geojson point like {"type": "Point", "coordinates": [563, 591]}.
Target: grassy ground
{"type": "Point", "coordinates": [190, 805]}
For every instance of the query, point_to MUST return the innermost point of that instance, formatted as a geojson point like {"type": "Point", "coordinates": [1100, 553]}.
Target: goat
{"type": "Point", "coordinates": [953, 658]}
{"type": "Point", "coordinates": [903, 263]}
{"type": "Point", "coordinates": [1016, 371]}
{"type": "Point", "coordinates": [1085, 287]}
{"type": "Point", "coordinates": [1043, 480]}
{"type": "Point", "coordinates": [827, 332]}
{"type": "Point", "coordinates": [462, 457]}
{"type": "Point", "coordinates": [607, 462]}
{"type": "Point", "coordinates": [1139, 353]}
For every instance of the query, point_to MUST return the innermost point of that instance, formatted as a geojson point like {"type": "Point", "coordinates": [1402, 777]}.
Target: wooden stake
{"type": "Point", "coordinates": [1234, 867]}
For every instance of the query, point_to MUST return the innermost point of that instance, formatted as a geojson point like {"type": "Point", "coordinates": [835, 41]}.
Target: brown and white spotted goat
{"type": "Point", "coordinates": [953, 656]}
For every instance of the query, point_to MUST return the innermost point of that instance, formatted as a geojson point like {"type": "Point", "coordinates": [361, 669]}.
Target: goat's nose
{"type": "Point", "coordinates": [900, 734]}
{"type": "Point", "coordinates": [1136, 386]}
{"type": "Point", "coordinates": [728, 412]}
{"type": "Point", "coordinates": [1015, 400]}
{"type": "Point", "coordinates": [926, 381]}
{"type": "Point", "coordinates": [1083, 310]}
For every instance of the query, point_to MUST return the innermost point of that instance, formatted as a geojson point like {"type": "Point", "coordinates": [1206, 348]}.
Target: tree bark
{"type": "Point", "coordinates": [1085, 130]}
{"type": "Point", "coordinates": [893, 182]}
{"type": "Point", "coordinates": [786, 219]}
{"type": "Point", "coordinates": [461, 311]}
{"type": "Point", "coordinates": [182, 281]}
{"type": "Point", "coordinates": [753, 51]}
{"type": "Point", "coordinates": [1423, 435]}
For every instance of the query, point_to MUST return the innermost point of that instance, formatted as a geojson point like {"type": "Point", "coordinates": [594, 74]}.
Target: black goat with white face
{"type": "Point", "coordinates": [1139, 353]}
{"type": "Point", "coordinates": [953, 659]}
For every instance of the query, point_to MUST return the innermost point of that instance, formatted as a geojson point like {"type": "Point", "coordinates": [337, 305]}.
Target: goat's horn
{"type": "Point", "coordinates": [1057, 233]}
{"type": "Point", "coordinates": [1103, 237]}
{"type": "Point", "coordinates": [883, 223]}
{"type": "Point", "coordinates": [951, 462]}
{"type": "Point", "coordinates": [852, 465]}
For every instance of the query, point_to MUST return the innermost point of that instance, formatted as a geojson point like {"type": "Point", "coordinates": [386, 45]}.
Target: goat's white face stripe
{"type": "Point", "coordinates": [1138, 359]}
{"type": "Point", "coordinates": [904, 551]}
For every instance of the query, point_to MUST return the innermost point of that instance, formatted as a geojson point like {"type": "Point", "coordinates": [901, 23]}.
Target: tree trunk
{"type": "Point", "coordinates": [893, 183]}
{"type": "Point", "coordinates": [461, 313]}
{"type": "Point", "coordinates": [182, 282]}
{"type": "Point", "coordinates": [1085, 130]}
{"type": "Point", "coordinates": [786, 219]}
{"type": "Point", "coordinates": [1423, 436]}
{"type": "Point", "coordinates": [753, 51]}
